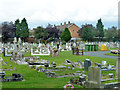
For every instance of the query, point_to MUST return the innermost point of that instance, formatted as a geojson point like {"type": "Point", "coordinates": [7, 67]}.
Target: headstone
{"type": "Point", "coordinates": [55, 53]}
{"type": "Point", "coordinates": [110, 75]}
{"type": "Point", "coordinates": [68, 61]}
{"type": "Point", "coordinates": [99, 65]}
{"type": "Point", "coordinates": [80, 64]}
{"type": "Point", "coordinates": [87, 63]}
{"type": "Point", "coordinates": [81, 79]}
{"type": "Point", "coordinates": [94, 77]}
{"type": "Point", "coordinates": [52, 44]}
{"type": "Point", "coordinates": [109, 67]}
{"type": "Point", "coordinates": [103, 62]}
{"type": "Point", "coordinates": [15, 39]}
{"type": "Point", "coordinates": [118, 68]}
{"type": "Point", "coordinates": [47, 74]}
{"type": "Point", "coordinates": [58, 45]}
{"type": "Point", "coordinates": [0, 47]}
{"type": "Point", "coordinates": [4, 52]}
{"type": "Point", "coordinates": [19, 40]}
{"type": "Point", "coordinates": [2, 74]}
{"type": "Point", "coordinates": [74, 44]}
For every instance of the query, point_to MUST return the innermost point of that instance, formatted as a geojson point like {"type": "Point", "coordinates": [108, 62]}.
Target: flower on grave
{"type": "Point", "coordinates": [69, 85]}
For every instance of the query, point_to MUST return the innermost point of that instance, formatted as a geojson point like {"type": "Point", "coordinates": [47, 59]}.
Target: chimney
{"type": "Point", "coordinates": [68, 22]}
{"type": "Point", "coordinates": [64, 23]}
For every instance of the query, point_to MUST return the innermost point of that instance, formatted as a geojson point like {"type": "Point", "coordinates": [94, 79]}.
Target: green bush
{"type": "Point", "coordinates": [65, 36]}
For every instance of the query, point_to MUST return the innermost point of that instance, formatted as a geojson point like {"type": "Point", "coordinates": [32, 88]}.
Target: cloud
{"type": "Point", "coordinates": [57, 11]}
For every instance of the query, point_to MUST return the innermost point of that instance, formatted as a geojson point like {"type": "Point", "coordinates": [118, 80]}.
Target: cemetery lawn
{"type": "Point", "coordinates": [34, 79]}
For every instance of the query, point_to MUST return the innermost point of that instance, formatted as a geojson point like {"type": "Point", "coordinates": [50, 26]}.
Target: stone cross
{"type": "Point", "coordinates": [94, 77]}
{"type": "Point", "coordinates": [15, 39]}
{"type": "Point", "coordinates": [19, 40]}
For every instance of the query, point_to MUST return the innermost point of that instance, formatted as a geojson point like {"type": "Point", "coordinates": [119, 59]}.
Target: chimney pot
{"type": "Point", "coordinates": [68, 22]}
{"type": "Point", "coordinates": [64, 23]}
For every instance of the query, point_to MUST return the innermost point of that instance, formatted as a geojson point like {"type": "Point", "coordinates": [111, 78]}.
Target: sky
{"type": "Point", "coordinates": [42, 12]}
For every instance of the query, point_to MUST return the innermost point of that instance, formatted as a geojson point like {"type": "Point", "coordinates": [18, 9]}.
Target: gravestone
{"type": "Point", "coordinates": [104, 62]}
{"type": "Point", "coordinates": [118, 68]}
{"type": "Point", "coordinates": [80, 64]}
{"type": "Point", "coordinates": [87, 63]}
{"type": "Point", "coordinates": [0, 47]}
{"type": "Point", "coordinates": [99, 65]}
{"type": "Point", "coordinates": [52, 44]}
{"type": "Point", "coordinates": [4, 52]}
{"type": "Point", "coordinates": [58, 45]}
{"type": "Point", "coordinates": [55, 53]}
{"type": "Point", "coordinates": [94, 77]}
{"type": "Point", "coordinates": [110, 75]}
{"type": "Point", "coordinates": [2, 74]}
{"type": "Point", "coordinates": [67, 61]}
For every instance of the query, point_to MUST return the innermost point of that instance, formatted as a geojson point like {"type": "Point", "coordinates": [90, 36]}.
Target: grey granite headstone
{"type": "Point", "coordinates": [94, 77]}
{"type": "Point", "coordinates": [118, 68]}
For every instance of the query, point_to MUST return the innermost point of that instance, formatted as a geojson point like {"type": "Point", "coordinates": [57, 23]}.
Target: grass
{"type": "Point", "coordinates": [113, 48]}
{"type": "Point", "coordinates": [109, 81]}
{"type": "Point", "coordinates": [111, 54]}
{"type": "Point", "coordinates": [34, 79]}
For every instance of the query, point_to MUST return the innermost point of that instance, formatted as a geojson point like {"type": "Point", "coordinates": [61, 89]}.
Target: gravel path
{"type": "Point", "coordinates": [100, 54]}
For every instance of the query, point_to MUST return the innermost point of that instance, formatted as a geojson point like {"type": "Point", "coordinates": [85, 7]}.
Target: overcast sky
{"type": "Point", "coordinates": [42, 12]}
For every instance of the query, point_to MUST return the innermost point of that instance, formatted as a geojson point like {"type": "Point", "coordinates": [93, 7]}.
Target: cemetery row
{"type": "Point", "coordinates": [42, 49]}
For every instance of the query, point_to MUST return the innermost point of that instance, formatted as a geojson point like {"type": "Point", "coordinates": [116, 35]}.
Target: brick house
{"type": "Point", "coordinates": [72, 28]}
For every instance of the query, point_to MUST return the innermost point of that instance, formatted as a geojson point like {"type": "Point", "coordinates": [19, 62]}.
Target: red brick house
{"type": "Point", "coordinates": [73, 28]}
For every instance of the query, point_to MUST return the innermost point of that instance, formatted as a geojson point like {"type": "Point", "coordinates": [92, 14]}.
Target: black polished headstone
{"type": "Point", "coordinates": [87, 63]}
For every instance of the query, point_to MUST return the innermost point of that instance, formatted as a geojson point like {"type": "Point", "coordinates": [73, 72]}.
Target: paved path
{"type": "Point", "coordinates": [100, 54]}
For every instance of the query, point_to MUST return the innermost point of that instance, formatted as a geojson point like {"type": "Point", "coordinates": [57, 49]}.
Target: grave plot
{"type": "Point", "coordinates": [105, 66]}
{"type": "Point", "coordinates": [18, 57]}
{"type": "Point", "coordinates": [79, 81]}
{"type": "Point", "coordinates": [7, 52]}
{"type": "Point", "coordinates": [44, 65]}
{"type": "Point", "coordinates": [61, 75]}
{"type": "Point", "coordinates": [14, 77]}
{"type": "Point", "coordinates": [77, 64]}
{"type": "Point", "coordinates": [42, 50]}
{"type": "Point", "coordinates": [40, 65]}
{"type": "Point", "coordinates": [52, 69]}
